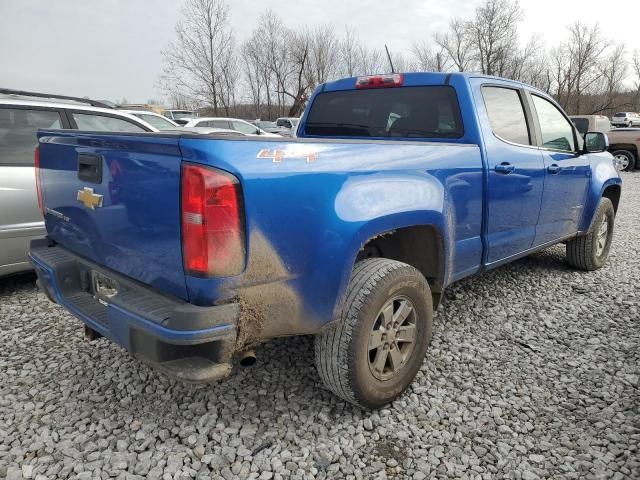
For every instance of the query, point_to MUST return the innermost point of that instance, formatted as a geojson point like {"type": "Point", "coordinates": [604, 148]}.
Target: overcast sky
{"type": "Point", "coordinates": [110, 49]}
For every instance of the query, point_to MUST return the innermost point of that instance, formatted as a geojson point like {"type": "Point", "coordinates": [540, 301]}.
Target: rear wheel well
{"type": "Point", "coordinates": [419, 246]}
{"type": "Point", "coordinates": [612, 192]}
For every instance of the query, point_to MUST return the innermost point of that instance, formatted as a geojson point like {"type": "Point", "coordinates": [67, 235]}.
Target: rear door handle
{"type": "Point", "coordinates": [554, 168]}
{"type": "Point", "coordinates": [504, 167]}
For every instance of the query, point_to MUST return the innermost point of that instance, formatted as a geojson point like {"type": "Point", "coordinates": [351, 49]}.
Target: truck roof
{"type": "Point", "coordinates": [411, 79]}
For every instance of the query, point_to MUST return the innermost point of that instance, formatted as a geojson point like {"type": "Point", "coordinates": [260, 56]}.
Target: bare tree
{"type": "Point", "coordinates": [456, 42]}
{"type": "Point", "coordinates": [199, 63]}
{"type": "Point", "coordinates": [348, 58]}
{"type": "Point", "coordinates": [277, 68]}
{"type": "Point", "coordinates": [493, 34]}
{"type": "Point", "coordinates": [612, 72]}
{"type": "Point", "coordinates": [585, 49]}
{"type": "Point", "coordinates": [635, 65]}
{"type": "Point", "coordinates": [323, 54]}
{"type": "Point", "coordinates": [428, 59]}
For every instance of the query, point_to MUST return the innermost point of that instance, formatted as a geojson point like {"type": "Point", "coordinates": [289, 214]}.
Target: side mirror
{"type": "Point", "coordinates": [595, 142]}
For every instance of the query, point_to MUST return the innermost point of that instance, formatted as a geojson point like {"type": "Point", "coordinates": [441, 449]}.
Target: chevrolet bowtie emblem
{"type": "Point", "coordinates": [89, 199]}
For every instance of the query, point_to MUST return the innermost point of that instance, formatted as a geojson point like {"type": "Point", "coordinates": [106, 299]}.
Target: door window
{"type": "Point", "coordinates": [506, 114]}
{"type": "Point", "coordinates": [557, 132]}
{"type": "Point", "coordinates": [18, 128]}
{"type": "Point", "coordinates": [103, 123]}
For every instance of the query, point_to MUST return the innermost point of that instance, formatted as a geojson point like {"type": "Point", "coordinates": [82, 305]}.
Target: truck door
{"type": "Point", "coordinates": [515, 169]}
{"type": "Point", "coordinates": [567, 173]}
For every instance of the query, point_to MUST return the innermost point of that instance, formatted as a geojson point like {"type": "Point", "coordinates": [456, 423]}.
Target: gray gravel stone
{"type": "Point", "coordinates": [533, 372]}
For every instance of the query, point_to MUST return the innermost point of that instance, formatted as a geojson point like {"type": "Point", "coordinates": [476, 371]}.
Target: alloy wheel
{"type": "Point", "coordinates": [393, 338]}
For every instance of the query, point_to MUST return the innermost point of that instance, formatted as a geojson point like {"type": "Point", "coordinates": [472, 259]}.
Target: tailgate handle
{"type": "Point", "coordinates": [90, 168]}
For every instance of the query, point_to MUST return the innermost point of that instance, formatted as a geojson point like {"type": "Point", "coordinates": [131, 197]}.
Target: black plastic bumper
{"type": "Point", "coordinates": [189, 342]}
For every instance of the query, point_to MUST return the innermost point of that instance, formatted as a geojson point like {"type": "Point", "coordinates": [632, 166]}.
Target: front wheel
{"type": "Point", "coordinates": [590, 251]}
{"type": "Point", "coordinates": [377, 348]}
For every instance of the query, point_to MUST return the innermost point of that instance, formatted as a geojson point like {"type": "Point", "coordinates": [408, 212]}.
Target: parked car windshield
{"type": "Point", "coordinates": [620, 114]}
{"type": "Point", "coordinates": [183, 114]}
{"type": "Point", "coordinates": [409, 112]}
{"type": "Point", "coordinates": [264, 125]}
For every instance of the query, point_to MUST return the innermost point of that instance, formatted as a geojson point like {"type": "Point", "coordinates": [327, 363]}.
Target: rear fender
{"type": "Point", "coordinates": [380, 204]}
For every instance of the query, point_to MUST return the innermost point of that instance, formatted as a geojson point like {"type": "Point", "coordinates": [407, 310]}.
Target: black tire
{"type": "Point", "coordinates": [630, 159]}
{"type": "Point", "coordinates": [584, 252]}
{"type": "Point", "coordinates": [342, 352]}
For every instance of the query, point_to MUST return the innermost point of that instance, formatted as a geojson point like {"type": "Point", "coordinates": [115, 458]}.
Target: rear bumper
{"type": "Point", "coordinates": [191, 343]}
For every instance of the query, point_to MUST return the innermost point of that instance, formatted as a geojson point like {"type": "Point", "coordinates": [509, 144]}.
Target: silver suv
{"type": "Point", "coordinates": [625, 119]}
{"type": "Point", "coordinates": [21, 115]}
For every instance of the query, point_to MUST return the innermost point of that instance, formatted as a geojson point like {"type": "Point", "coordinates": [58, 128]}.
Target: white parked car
{"type": "Point", "coordinates": [21, 115]}
{"type": "Point", "coordinates": [625, 119]}
{"type": "Point", "coordinates": [236, 124]}
{"type": "Point", "coordinates": [154, 119]}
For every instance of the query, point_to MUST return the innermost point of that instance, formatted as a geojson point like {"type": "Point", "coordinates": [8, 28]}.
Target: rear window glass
{"type": "Point", "coordinates": [18, 128]}
{"type": "Point", "coordinates": [506, 114]}
{"type": "Point", "coordinates": [582, 124]}
{"type": "Point", "coordinates": [407, 112]}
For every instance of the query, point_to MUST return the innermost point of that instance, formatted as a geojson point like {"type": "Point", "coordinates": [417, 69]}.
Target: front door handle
{"type": "Point", "coordinates": [504, 167]}
{"type": "Point", "coordinates": [554, 168]}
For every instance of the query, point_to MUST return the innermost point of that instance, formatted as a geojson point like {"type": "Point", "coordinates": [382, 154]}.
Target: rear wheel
{"type": "Point", "coordinates": [590, 251]}
{"type": "Point", "coordinates": [626, 159]}
{"type": "Point", "coordinates": [375, 351]}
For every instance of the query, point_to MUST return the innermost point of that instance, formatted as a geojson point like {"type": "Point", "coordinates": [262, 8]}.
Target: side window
{"type": "Point", "coordinates": [557, 133]}
{"type": "Point", "coordinates": [506, 114]}
{"type": "Point", "coordinates": [18, 128]}
{"type": "Point", "coordinates": [220, 124]}
{"type": "Point", "coordinates": [244, 128]}
{"type": "Point", "coordinates": [103, 123]}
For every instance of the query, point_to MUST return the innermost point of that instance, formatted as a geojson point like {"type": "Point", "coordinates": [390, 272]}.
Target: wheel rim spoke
{"type": "Point", "coordinates": [387, 315]}
{"type": "Point", "coordinates": [603, 233]}
{"type": "Point", "coordinates": [375, 339]}
{"type": "Point", "coordinates": [381, 359]}
{"type": "Point", "coordinates": [406, 334]}
{"type": "Point", "coordinates": [404, 310]}
{"type": "Point", "coordinates": [396, 358]}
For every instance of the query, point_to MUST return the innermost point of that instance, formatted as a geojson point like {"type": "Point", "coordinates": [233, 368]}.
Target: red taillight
{"type": "Point", "coordinates": [212, 222]}
{"type": "Point", "coordinates": [380, 81]}
{"type": "Point", "coordinates": [36, 163]}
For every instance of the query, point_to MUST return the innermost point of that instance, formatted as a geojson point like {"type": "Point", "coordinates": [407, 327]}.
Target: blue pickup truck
{"type": "Point", "coordinates": [189, 250]}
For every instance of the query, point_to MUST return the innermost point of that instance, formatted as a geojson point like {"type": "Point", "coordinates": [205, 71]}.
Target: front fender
{"type": "Point", "coordinates": [603, 175]}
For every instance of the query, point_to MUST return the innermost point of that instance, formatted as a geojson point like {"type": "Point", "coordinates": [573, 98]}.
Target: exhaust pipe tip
{"type": "Point", "coordinates": [247, 358]}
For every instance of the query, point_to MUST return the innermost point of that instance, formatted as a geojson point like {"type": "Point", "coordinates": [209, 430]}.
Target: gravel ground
{"type": "Point", "coordinates": [533, 372]}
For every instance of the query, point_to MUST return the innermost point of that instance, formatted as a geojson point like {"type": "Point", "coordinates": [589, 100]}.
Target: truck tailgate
{"type": "Point", "coordinates": [115, 199]}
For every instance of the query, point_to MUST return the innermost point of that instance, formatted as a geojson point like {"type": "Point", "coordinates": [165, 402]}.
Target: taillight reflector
{"type": "Point", "coordinates": [212, 222]}
{"type": "Point", "coordinates": [36, 163]}
{"type": "Point", "coordinates": [380, 81]}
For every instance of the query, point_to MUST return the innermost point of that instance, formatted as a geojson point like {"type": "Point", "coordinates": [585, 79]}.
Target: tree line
{"type": "Point", "coordinates": [274, 71]}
